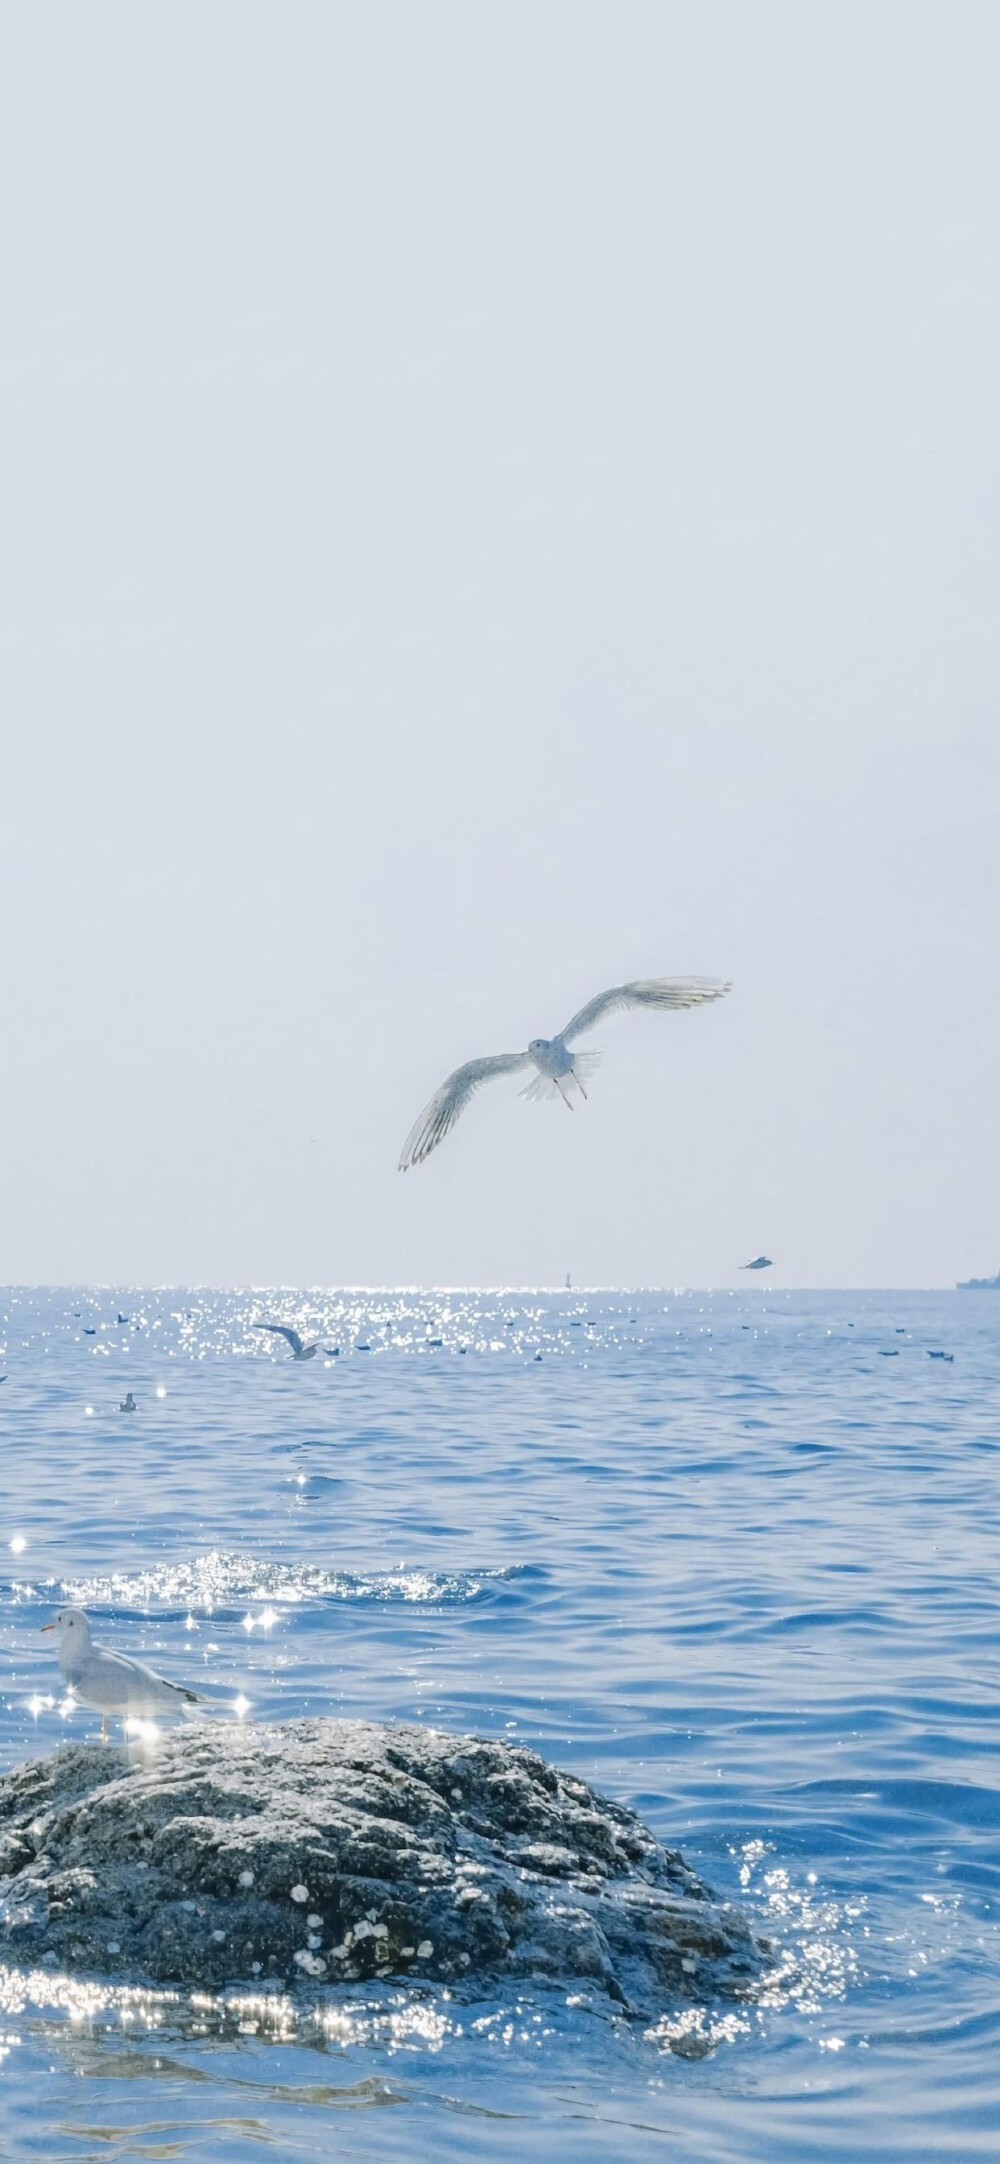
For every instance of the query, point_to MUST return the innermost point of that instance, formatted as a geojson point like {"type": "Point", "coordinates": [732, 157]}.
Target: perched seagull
{"type": "Point", "coordinates": [557, 1065]}
{"type": "Point", "coordinates": [113, 1683]}
{"type": "Point", "coordinates": [128, 1404]}
{"type": "Point", "coordinates": [760, 1262]}
{"type": "Point", "coordinates": [281, 1329]}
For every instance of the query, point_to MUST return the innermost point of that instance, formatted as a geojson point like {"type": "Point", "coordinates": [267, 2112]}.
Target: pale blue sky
{"type": "Point", "coordinates": [497, 500]}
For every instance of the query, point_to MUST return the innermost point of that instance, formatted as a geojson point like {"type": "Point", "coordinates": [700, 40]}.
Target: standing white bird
{"type": "Point", "coordinates": [555, 1061]}
{"type": "Point", "coordinates": [113, 1683]}
{"type": "Point", "coordinates": [300, 1351]}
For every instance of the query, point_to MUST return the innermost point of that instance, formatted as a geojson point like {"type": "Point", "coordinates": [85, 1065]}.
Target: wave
{"type": "Point", "coordinates": [223, 1577]}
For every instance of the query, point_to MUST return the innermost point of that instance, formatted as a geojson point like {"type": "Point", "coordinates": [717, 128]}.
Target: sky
{"type": "Point", "coordinates": [497, 501]}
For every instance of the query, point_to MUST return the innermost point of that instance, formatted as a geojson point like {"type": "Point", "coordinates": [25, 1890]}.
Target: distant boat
{"type": "Point", "coordinates": [979, 1284]}
{"type": "Point", "coordinates": [760, 1262]}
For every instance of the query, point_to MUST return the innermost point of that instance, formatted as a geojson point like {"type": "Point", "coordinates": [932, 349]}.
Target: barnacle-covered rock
{"type": "Point", "coordinates": [334, 1851]}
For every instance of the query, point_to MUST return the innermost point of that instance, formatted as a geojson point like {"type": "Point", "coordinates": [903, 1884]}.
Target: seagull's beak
{"type": "Point", "coordinates": [48, 1627]}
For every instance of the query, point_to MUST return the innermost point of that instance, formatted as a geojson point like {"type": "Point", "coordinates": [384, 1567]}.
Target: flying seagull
{"type": "Point", "coordinates": [113, 1683]}
{"type": "Point", "coordinates": [281, 1329]}
{"type": "Point", "coordinates": [760, 1262]}
{"type": "Point", "coordinates": [558, 1066]}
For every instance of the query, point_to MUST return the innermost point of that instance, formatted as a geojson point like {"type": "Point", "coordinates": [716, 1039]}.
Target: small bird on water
{"type": "Point", "coordinates": [128, 1404]}
{"type": "Point", "coordinates": [558, 1068]}
{"type": "Point", "coordinates": [300, 1350]}
{"type": "Point", "coordinates": [113, 1683]}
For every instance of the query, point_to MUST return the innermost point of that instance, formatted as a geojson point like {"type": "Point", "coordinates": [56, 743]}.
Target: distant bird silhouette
{"type": "Point", "coordinates": [89, 1332]}
{"type": "Point", "coordinates": [939, 1355]}
{"type": "Point", "coordinates": [128, 1404]}
{"type": "Point", "coordinates": [760, 1262]}
{"type": "Point", "coordinates": [300, 1351]}
{"type": "Point", "coordinates": [892, 1353]}
{"type": "Point", "coordinates": [123, 1318]}
{"type": "Point", "coordinates": [557, 1066]}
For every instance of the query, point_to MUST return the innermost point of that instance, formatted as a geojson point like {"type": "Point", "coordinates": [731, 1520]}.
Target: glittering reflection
{"type": "Point", "coordinates": [814, 1960]}
{"type": "Point", "coordinates": [218, 1579]}
{"type": "Point", "coordinates": [695, 2031]}
{"type": "Point", "coordinates": [394, 2021]}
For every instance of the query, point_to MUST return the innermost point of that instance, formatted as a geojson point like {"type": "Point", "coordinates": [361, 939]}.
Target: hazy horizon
{"type": "Point", "coordinates": [499, 502]}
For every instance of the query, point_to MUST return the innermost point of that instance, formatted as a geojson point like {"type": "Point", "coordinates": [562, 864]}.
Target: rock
{"type": "Point", "coordinates": [329, 1851]}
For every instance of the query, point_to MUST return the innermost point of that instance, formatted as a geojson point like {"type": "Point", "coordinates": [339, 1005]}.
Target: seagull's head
{"type": "Point", "coordinates": [70, 1623]}
{"type": "Point", "coordinates": [539, 1045]}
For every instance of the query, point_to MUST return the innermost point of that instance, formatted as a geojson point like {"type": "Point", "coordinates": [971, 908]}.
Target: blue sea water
{"type": "Point", "coordinates": [734, 1558]}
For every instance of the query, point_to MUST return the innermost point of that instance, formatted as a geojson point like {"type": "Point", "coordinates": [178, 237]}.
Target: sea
{"type": "Point", "coordinates": [731, 1557]}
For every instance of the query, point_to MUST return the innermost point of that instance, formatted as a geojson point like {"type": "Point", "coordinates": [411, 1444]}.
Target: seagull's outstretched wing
{"type": "Point", "coordinates": [450, 1101]}
{"type": "Point", "coordinates": [281, 1329]}
{"type": "Point", "coordinates": [645, 992]}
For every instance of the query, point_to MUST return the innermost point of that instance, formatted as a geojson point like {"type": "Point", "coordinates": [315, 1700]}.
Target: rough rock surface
{"type": "Point", "coordinates": [331, 1850]}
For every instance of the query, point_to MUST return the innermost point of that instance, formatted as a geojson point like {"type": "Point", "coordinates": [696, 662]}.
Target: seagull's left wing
{"type": "Point", "coordinates": [645, 992]}
{"type": "Point", "coordinates": [125, 1664]}
{"type": "Point", "coordinates": [449, 1102]}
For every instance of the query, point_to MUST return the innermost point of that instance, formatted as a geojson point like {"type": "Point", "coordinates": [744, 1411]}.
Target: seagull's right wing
{"type": "Point", "coordinates": [645, 992]}
{"type": "Point", "coordinates": [281, 1329]}
{"type": "Point", "coordinates": [437, 1118]}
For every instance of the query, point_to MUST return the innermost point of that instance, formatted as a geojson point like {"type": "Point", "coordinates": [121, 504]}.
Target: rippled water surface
{"type": "Point", "coordinates": [733, 1558]}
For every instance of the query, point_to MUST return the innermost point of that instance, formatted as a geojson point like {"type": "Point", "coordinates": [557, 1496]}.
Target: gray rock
{"type": "Point", "coordinates": [327, 1850]}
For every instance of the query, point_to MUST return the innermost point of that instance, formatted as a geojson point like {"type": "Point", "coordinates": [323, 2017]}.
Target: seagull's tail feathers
{"type": "Point", "coordinates": [191, 1701]}
{"type": "Point", "coordinates": [540, 1087]}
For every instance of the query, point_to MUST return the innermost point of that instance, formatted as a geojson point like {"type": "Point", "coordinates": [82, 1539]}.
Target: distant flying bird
{"type": "Point", "coordinates": [555, 1062]}
{"type": "Point", "coordinates": [760, 1262]}
{"type": "Point", "coordinates": [281, 1329]}
{"type": "Point", "coordinates": [939, 1355]}
{"type": "Point", "coordinates": [123, 1318]}
{"type": "Point", "coordinates": [112, 1682]}
{"type": "Point", "coordinates": [128, 1404]}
